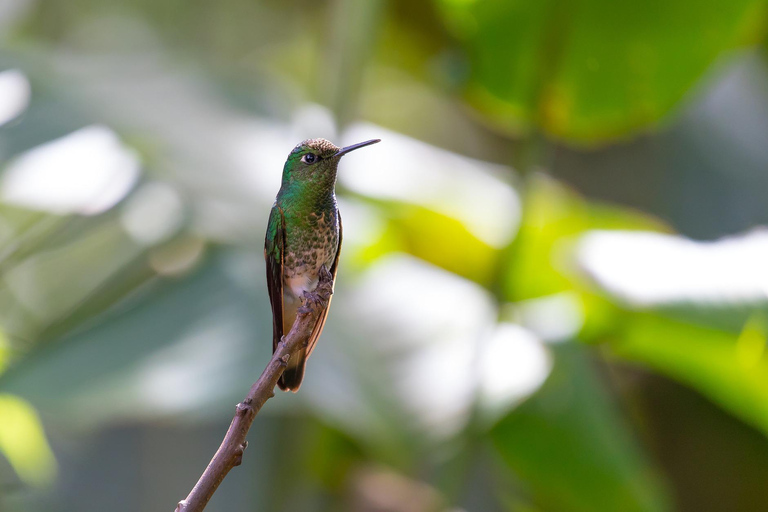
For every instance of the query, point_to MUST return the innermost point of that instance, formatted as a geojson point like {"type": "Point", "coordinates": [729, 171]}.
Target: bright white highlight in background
{"type": "Point", "coordinates": [431, 346]}
{"type": "Point", "coordinates": [404, 169]}
{"type": "Point", "coordinates": [85, 172]}
{"type": "Point", "coordinates": [430, 323]}
{"type": "Point", "coordinates": [14, 94]}
{"type": "Point", "coordinates": [261, 147]}
{"type": "Point", "coordinates": [653, 268]}
{"type": "Point", "coordinates": [553, 318]}
{"type": "Point", "coordinates": [513, 364]}
{"type": "Point", "coordinates": [153, 213]}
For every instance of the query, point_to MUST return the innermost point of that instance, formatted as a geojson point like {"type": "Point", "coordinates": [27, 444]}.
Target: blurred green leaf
{"type": "Point", "coordinates": [593, 70]}
{"type": "Point", "coordinates": [331, 456]}
{"type": "Point", "coordinates": [179, 345]}
{"type": "Point", "coordinates": [5, 352]}
{"type": "Point", "coordinates": [23, 441]}
{"type": "Point", "coordinates": [570, 445]}
{"type": "Point", "coordinates": [53, 282]}
{"type": "Point", "coordinates": [553, 216]}
{"type": "Point", "coordinates": [443, 241]}
{"type": "Point", "coordinates": [730, 369]}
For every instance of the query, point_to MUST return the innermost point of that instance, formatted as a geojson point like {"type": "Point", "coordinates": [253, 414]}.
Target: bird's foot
{"type": "Point", "coordinates": [319, 297]}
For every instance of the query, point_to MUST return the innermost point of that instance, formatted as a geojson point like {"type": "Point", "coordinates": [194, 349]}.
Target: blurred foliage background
{"type": "Point", "coordinates": [553, 289]}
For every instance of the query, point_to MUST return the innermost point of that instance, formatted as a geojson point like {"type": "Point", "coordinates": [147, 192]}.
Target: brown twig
{"type": "Point", "coordinates": [230, 453]}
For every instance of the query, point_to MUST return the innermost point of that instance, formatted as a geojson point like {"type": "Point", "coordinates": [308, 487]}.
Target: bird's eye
{"type": "Point", "coordinates": [309, 158]}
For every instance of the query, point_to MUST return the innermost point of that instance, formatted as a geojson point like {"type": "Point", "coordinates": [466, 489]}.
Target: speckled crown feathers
{"type": "Point", "coordinates": [322, 147]}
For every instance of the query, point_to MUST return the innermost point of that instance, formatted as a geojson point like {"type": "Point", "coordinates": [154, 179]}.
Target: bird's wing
{"type": "Point", "coordinates": [321, 321]}
{"type": "Point", "coordinates": [274, 254]}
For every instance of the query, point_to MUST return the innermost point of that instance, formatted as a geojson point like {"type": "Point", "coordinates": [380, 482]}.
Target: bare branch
{"type": "Point", "coordinates": [230, 453]}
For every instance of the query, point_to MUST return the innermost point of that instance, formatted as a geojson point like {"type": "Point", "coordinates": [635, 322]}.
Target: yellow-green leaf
{"type": "Point", "coordinates": [23, 442]}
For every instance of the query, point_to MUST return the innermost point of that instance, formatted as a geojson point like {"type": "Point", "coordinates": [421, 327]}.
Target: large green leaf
{"type": "Point", "coordinates": [730, 369]}
{"type": "Point", "coordinates": [442, 241]}
{"type": "Point", "coordinates": [570, 445]}
{"type": "Point", "coordinates": [591, 70]}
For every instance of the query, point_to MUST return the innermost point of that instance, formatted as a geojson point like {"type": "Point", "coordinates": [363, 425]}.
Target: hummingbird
{"type": "Point", "coordinates": [303, 235]}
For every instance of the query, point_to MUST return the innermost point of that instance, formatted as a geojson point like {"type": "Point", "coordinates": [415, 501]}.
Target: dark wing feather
{"type": "Point", "coordinates": [274, 254]}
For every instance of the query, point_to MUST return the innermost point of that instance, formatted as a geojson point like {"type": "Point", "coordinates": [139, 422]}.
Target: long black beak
{"type": "Point", "coordinates": [345, 150]}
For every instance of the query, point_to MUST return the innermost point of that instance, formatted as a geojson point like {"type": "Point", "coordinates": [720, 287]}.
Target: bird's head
{"type": "Point", "coordinates": [315, 158]}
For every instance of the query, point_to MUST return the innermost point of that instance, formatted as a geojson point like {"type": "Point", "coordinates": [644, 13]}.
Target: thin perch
{"type": "Point", "coordinates": [230, 453]}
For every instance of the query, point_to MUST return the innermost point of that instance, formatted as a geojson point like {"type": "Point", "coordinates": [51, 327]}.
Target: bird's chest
{"type": "Point", "coordinates": [307, 249]}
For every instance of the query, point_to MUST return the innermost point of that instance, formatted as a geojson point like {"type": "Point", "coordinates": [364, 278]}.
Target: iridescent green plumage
{"type": "Point", "coordinates": [303, 235]}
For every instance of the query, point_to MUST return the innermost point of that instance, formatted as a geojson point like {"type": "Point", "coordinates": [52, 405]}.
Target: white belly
{"type": "Point", "coordinates": [293, 290]}
{"type": "Point", "coordinates": [297, 284]}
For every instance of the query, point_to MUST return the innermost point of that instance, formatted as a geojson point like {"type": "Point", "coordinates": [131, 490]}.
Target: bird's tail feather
{"type": "Point", "coordinates": [291, 378]}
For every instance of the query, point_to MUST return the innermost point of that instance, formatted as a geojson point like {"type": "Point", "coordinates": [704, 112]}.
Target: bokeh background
{"type": "Point", "coordinates": [554, 280]}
